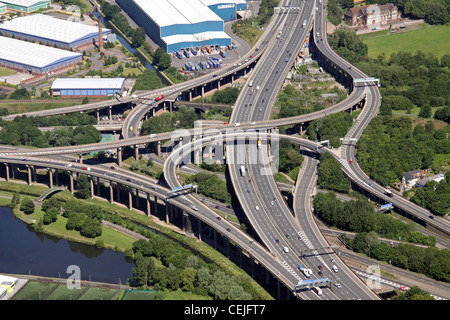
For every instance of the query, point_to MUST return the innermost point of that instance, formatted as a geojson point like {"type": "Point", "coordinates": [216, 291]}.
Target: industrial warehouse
{"type": "Point", "coordinates": [180, 24]}
{"type": "Point", "coordinates": [87, 87]}
{"type": "Point", "coordinates": [51, 31]}
{"type": "Point", "coordinates": [25, 6]}
{"type": "Point", "coordinates": [31, 58]}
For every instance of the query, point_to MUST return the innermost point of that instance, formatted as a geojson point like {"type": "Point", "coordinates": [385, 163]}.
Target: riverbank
{"type": "Point", "coordinates": [116, 239]}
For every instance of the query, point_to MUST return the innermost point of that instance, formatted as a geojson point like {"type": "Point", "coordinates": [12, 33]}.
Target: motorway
{"type": "Point", "coordinates": [274, 220]}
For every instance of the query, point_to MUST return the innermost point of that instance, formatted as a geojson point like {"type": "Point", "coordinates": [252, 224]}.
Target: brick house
{"type": "Point", "coordinates": [372, 15]}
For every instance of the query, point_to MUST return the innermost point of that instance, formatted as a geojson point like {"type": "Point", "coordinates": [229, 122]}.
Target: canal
{"type": "Point", "coordinates": [23, 251]}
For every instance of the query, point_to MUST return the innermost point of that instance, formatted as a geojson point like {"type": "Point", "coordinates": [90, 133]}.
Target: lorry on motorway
{"type": "Point", "coordinates": [307, 272]}
{"type": "Point", "coordinates": [194, 51]}
{"type": "Point", "coordinates": [279, 34]}
{"type": "Point", "coordinates": [388, 192]}
{"type": "Point", "coordinates": [243, 172]}
{"type": "Point", "coordinates": [317, 290]}
{"type": "Point", "coordinates": [186, 53]}
{"type": "Point", "coordinates": [304, 23]}
{"type": "Point", "coordinates": [259, 144]}
{"type": "Point", "coordinates": [179, 55]}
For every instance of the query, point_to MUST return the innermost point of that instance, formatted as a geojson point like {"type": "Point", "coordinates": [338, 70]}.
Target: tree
{"type": "Point", "coordinates": [83, 187]}
{"type": "Point", "coordinates": [138, 37]}
{"type": "Point", "coordinates": [27, 206]}
{"type": "Point", "coordinates": [51, 215]}
{"type": "Point", "coordinates": [15, 200]}
{"type": "Point", "coordinates": [164, 62]}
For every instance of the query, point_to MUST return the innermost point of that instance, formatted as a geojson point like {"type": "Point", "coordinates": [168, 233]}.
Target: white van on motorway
{"type": "Point", "coordinates": [335, 269]}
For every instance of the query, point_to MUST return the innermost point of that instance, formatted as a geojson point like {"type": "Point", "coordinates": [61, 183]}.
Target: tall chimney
{"type": "Point", "coordinates": [100, 37]}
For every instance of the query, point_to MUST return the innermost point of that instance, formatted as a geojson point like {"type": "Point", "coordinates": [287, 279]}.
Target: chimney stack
{"type": "Point", "coordinates": [100, 37]}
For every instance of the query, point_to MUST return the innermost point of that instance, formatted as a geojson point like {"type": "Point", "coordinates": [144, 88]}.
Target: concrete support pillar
{"type": "Point", "coordinates": [92, 187]}
{"type": "Point", "coordinates": [156, 204]}
{"type": "Point", "coordinates": [71, 182]}
{"type": "Point", "coordinates": [50, 177]}
{"type": "Point", "coordinates": [14, 170]}
{"type": "Point", "coordinates": [7, 171]}
{"type": "Point", "coordinates": [167, 212]}
{"type": "Point", "coordinates": [119, 156]}
{"type": "Point", "coordinates": [34, 174]}
{"type": "Point", "coordinates": [190, 95]}
{"type": "Point", "coordinates": [203, 91]}
{"type": "Point", "coordinates": [111, 193]}
{"type": "Point", "coordinates": [218, 84]}
{"type": "Point", "coordinates": [199, 229]}
{"type": "Point", "coordinates": [29, 175]}
{"type": "Point", "coordinates": [98, 186]}
{"type": "Point", "coordinates": [80, 158]}
{"type": "Point", "coordinates": [267, 277]}
{"type": "Point", "coordinates": [110, 113]}
{"type": "Point", "coordinates": [149, 207]}
{"type": "Point", "coordinates": [97, 114]}
{"type": "Point", "coordinates": [130, 199]}
{"type": "Point", "coordinates": [183, 220]}
{"type": "Point", "coordinates": [136, 152]}
{"type": "Point", "coordinates": [158, 149]}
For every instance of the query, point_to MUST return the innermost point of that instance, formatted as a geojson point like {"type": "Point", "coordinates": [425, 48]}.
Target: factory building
{"type": "Point", "coordinates": [26, 6]}
{"type": "Point", "coordinates": [87, 87]}
{"type": "Point", "coordinates": [51, 31]}
{"type": "Point", "coordinates": [31, 58]}
{"type": "Point", "coordinates": [226, 9]}
{"type": "Point", "coordinates": [2, 8]}
{"type": "Point", "coordinates": [177, 24]}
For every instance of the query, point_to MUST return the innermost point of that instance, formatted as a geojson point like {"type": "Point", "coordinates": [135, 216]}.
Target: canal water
{"type": "Point", "coordinates": [23, 251]}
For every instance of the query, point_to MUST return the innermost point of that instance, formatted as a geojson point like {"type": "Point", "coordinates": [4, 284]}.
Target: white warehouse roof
{"type": "Point", "coordinates": [88, 83]}
{"type": "Point", "coordinates": [197, 37]}
{"type": "Point", "coordinates": [31, 54]}
{"type": "Point", "coordinates": [23, 3]}
{"type": "Point", "coordinates": [172, 12]}
{"type": "Point", "coordinates": [48, 27]}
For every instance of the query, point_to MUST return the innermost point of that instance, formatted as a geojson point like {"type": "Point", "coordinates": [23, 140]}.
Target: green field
{"type": "Point", "coordinates": [34, 290]}
{"type": "Point", "coordinates": [433, 39]}
{"type": "Point", "coordinates": [6, 72]}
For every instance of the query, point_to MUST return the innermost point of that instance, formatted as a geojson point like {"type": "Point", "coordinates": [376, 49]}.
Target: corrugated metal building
{"type": "Point", "coordinates": [26, 6]}
{"type": "Point", "coordinates": [177, 24]}
{"type": "Point", "coordinates": [226, 9]}
{"type": "Point", "coordinates": [33, 58]}
{"type": "Point", "coordinates": [87, 87]}
{"type": "Point", "coordinates": [51, 31]}
{"type": "Point", "coordinates": [2, 8]}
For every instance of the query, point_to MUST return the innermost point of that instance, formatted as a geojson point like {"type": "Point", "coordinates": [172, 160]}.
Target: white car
{"type": "Point", "coordinates": [335, 269]}
{"type": "Point", "coordinates": [257, 208]}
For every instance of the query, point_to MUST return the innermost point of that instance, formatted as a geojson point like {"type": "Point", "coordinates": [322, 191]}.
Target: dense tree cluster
{"type": "Point", "coordinates": [415, 293]}
{"type": "Point", "coordinates": [435, 196]}
{"type": "Point", "coordinates": [290, 157]}
{"type": "Point", "coordinates": [431, 261]}
{"type": "Point", "coordinates": [226, 96]}
{"type": "Point", "coordinates": [24, 131]}
{"type": "Point", "coordinates": [347, 44]}
{"type": "Point", "coordinates": [166, 122]}
{"type": "Point", "coordinates": [360, 216]}
{"type": "Point", "coordinates": [331, 127]}
{"type": "Point", "coordinates": [182, 270]}
{"type": "Point", "coordinates": [148, 80]}
{"type": "Point", "coordinates": [161, 59]}
{"type": "Point", "coordinates": [421, 79]}
{"type": "Point", "coordinates": [433, 11]}
{"type": "Point", "coordinates": [331, 176]}
{"type": "Point", "coordinates": [211, 186]}
{"type": "Point", "coordinates": [391, 146]}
